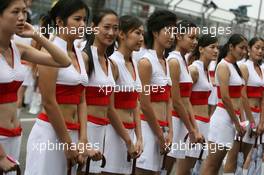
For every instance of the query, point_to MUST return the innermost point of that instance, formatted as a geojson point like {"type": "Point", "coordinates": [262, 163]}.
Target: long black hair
{"type": "Point", "coordinates": [158, 20]}
{"type": "Point", "coordinates": [97, 18]}
{"type": "Point", "coordinates": [63, 9]}
{"type": "Point", "coordinates": [204, 41]}
{"type": "Point", "coordinates": [234, 40]}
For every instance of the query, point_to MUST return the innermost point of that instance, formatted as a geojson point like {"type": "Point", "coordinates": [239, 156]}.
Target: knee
{"type": "Point", "coordinates": [140, 171]}
{"type": "Point", "coordinates": [211, 167]}
{"type": "Point", "coordinates": [208, 169]}
{"type": "Point", "coordinates": [183, 168]}
{"type": "Point", "coordinates": [183, 171]}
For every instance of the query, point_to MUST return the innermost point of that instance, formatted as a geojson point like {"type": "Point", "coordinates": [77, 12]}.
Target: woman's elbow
{"type": "Point", "coordinates": [66, 61]}
{"type": "Point", "coordinates": [225, 98]}
{"type": "Point", "coordinates": [111, 110]}
{"type": "Point", "coordinates": [176, 104]}
{"type": "Point", "coordinates": [144, 107]}
{"type": "Point", "coordinates": [66, 64]}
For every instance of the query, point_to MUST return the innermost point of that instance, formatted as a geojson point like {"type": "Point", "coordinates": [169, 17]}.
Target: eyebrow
{"type": "Point", "coordinates": [80, 16]}
{"type": "Point", "coordinates": [17, 8]}
{"type": "Point", "coordinates": [109, 24]}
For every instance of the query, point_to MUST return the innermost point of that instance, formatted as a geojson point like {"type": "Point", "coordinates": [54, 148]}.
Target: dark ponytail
{"type": "Point", "coordinates": [223, 52]}
{"type": "Point", "coordinates": [237, 69]}
{"type": "Point", "coordinates": [97, 18]}
{"type": "Point", "coordinates": [45, 21]}
{"type": "Point", "coordinates": [234, 40]}
{"type": "Point", "coordinates": [88, 51]}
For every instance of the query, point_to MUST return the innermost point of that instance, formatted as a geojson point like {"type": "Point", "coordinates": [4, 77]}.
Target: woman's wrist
{"type": "Point", "coordinates": [252, 125]}
{"type": "Point", "coordinates": [2, 156]}
{"type": "Point", "coordinates": [36, 35]}
{"type": "Point", "coordinates": [128, 142]}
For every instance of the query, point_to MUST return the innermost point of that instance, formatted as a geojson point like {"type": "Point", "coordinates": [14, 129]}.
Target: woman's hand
{"type": "Point", "coordinates": [260, 128]}
{"type": "Point", "coordinates": [139, 147]}
{"type": "Point", "coordinates": [6, 165]}
{"type": "Point", "coordinates": [168, 140]}
{"type": "Point", "coordinates": [240, 129]}
{"type": "Point", "coordinates": [28, 31]}
{"type": "Point", "coordinates": [131, 149]}
{"type": "Point", "coordinates": [71, 154]}
{"type": "Point", "coordinates": [85, 151]}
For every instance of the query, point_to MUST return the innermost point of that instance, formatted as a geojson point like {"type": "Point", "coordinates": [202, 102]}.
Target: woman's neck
{"type": "Point", "coordinates": [255, 62]}
{"type": "Point", "coordinates": [68, 41]}
{"type": "Point", "coordinates": [159, 50]}
{"type": "Point", "coordinates": [230, 58]}
{"type": "Point", "coordinates": [205, 61]}
{"type": "Point", "coordinates": [181, 50]}
{"type": "Point", "coordinates": [127, 53]}
{"type": "Point", "coordinates": [101, 49]}
{"type": "Point", "coordinates": [5, 40]}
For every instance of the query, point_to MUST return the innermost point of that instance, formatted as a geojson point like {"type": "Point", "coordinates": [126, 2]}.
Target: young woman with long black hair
{"type": "Point", "coordinates": [126, 94]}
{"type": "Point", "coordinates": [64, 98]}
{"type": "Point", "coordinates": [225, 121]}
{"type": "Point", "coordinates": [182, 114]}
{"type": "Point", "coordinates": [13, 21]}
{"type": "Point", "coordinates": [204, 52]}
{"type": "Point", "coordinates": [101, 73]}
{"type": "Point", "coordinates": [253, 97]}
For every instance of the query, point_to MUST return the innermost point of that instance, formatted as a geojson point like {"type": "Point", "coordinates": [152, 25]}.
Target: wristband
{"type": "Point", "coordinates": [252, 125]}
{"type": "Point", "coordinates": [244, 124]}
{"type": "Point", "coordinates": [11, 159]}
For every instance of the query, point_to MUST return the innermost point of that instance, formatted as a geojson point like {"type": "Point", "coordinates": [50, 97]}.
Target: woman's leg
{"type": "Point", "coordinates": [214, 160]}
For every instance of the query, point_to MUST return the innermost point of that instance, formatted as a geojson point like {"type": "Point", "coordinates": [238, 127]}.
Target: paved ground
{"type": "Point", "coordinates": [27, 121]}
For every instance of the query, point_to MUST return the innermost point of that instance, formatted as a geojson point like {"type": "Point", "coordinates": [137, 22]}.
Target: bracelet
{"type": "Point", "coordinates": [252, 125]}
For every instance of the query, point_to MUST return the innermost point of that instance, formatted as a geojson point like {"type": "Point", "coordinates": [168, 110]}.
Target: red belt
{"type": "Point", "coordinates": [14, 132]}
{"type": "Point", "coordinates": [161, 123]}
{"type": "Point", "coordinates": [197, 117]}
{"type": "Point", "coordinates": [69, 125]}
{"type": "Point", "coordinates": [255, 109]}
{"type": "Point", "coordinates": [223, 106]}
{"type": "Point", "coordinates": [202, 118]}
{"type": "Point", "coordinates": [97, 120]}
{"type": "Point", "coordinates": [175, 114]}
{"type": "Point", "coordinates": [129, 125]}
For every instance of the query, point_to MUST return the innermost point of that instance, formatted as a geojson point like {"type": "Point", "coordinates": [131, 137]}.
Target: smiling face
{"type": "Point", "coordinates": [107, 29]}
{"type": "Point", "coordinates": [13, 18]}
